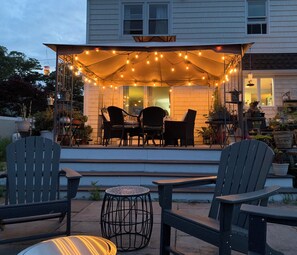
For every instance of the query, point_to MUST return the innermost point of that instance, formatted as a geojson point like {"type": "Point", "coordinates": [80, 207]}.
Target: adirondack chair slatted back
{"type": "Point", "coordinates": [243, 168]}
{"type": "Point", "coordinates": [33, 170]}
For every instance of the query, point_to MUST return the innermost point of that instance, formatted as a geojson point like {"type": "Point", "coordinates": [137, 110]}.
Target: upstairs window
{"type": "Point", "coordinates": [158, 19]}
{"type": "Point", "coordinates": [145, 19]}
{"type": "Point", "coordinates": [256, 17]}
{"type": "Point", "coordinates": [133, 20]}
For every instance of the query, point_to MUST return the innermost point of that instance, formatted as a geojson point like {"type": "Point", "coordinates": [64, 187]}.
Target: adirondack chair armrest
{"type": "Point", "coordinates": [165, 187]}
{"type": "Point", "coordinates": [73, 179]}
{"type": "Point", "coordinates": [186, 182]}
{"type": "Point", "coordinates": [70, 173]}
{"type": "Point", "coordinates": [249, 196]}
{"type": "Point", "coordinates": [276, 215]}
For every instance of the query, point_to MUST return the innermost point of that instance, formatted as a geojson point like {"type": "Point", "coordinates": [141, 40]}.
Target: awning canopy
{"type": "Point", "coordinates": [152, 63]}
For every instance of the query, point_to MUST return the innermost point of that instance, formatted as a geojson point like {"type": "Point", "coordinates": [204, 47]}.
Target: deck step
{"type": "Point", "coordinates": [102, 168]}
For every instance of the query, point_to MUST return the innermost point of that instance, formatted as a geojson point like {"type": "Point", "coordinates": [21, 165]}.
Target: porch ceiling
{"type": "Point", "coordinates": [152, 63]}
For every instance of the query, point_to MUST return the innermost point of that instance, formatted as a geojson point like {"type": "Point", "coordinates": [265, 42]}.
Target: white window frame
{"type": "Point", "coordinates": [262, 20]}
{"type": "Point", "coordinates": [257, 81]}
{"type": "Point", "coordinates": [146, 5]}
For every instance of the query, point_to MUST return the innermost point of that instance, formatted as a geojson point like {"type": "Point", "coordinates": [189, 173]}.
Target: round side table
{"type": "Point", "coordinates": [77, 244]}
{"type": "Point", "coordinates": [127, 217]}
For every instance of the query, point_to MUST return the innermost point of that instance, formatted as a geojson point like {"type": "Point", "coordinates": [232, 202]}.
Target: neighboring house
{"type": "Point", "coordinates": [272, 60]}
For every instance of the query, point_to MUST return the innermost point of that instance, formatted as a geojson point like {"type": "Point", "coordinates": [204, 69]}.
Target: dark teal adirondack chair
{"type": "Point", "coordinates": [32, 186]}
{"type": "Point", "coordinates": [241, 178]}
{"type": "Point", "coordinates": [258, 218]}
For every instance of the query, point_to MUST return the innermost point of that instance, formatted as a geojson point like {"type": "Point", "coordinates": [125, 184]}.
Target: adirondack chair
{"type": "Point", "coordinates": [258, 218]}
{"type": "Point", "coordinates": [241, 178]}
{"type": "Point", "coordinates": [32, 186]}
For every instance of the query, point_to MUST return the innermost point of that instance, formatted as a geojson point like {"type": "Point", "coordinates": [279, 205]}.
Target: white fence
{"type": "Point", "coordinates": [8, 126]}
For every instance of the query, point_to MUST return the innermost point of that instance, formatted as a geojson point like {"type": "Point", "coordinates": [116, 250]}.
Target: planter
{"type": "Point", "coordinates": [23, 125]}
{"type": "Point", "coordinates": [283, 139]}
{"type": "Point", "coordinates": [47, 134]}
{"type": "Point", "coordinates": [65, 120]}
{"type": "Point", "coordinates": [280, 169]}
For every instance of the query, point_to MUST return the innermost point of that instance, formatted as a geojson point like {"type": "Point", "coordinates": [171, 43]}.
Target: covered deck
{"type": "Point", "coordinates": [191, 71]}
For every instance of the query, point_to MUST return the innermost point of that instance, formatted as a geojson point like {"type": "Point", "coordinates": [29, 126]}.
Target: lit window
{"type": "Point", "coordinates": [137, 98]}
{"type": "Point", "coordinates": [256, 17]}
{"type": "Point", "coordinates": [262, 91]}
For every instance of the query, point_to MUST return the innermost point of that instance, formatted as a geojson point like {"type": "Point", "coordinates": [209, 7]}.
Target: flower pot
{"type": "Point", "coordinates": [23, 125]}
{"type": "Point", "coordinates": [47, 134]}
{"type": "Point", "coordinates": [283, 139]}
{"type": "Point", "coordinates": [65, 120]}
{"type": "Point", "coordinates": [280, 169]}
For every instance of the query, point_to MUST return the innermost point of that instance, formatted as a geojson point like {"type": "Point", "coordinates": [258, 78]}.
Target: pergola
{"type": "Point", "coordinates": [148, 64]}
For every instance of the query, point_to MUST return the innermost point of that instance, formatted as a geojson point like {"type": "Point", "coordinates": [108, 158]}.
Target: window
{"type": "Point", "coordinates": [256, 17]}
{"type": "Point", "coordinates": [261, 91]}
{"type": "Point", "coordinates": [137, 98]}
{"type": "Point", "coordinates": [145, 19]}
{"type": "Point", "coordinates": [158, 19]}
{"type": "Point", "coordinates": [133, 19]}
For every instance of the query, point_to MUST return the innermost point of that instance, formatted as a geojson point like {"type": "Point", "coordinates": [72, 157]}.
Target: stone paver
{"type": "Point", "coordinates": [86, 220]}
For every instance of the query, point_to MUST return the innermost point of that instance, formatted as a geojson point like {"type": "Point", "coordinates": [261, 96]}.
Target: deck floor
{"type": "Point", "coordinates": [86, 220]}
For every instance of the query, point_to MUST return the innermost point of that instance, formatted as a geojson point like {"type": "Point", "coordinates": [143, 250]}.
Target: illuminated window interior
{"type": "Point", "coordinates": [261, 91]}
{"type": "Point", "coordinates": [134, 98]}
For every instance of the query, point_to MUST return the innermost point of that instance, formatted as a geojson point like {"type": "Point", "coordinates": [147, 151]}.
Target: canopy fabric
{"type": "Point", "coordinates": [152, 63]}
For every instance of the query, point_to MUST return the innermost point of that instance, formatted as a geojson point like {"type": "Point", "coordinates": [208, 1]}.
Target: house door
{"type": "Point", "coordinates": [137, 98]}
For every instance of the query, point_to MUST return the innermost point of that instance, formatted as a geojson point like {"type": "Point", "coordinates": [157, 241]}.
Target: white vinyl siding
{"type": "Point", "coordinates": [204, 21]}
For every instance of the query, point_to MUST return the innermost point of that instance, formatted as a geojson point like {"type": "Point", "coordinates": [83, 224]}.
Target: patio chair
{"type": "Point", "coordinates": [108, 133]}
{"type": "Point", "coordinates": [241, 178]}
{"type": "Point", "coordinates": [32, 186]}
{"type": "Point", "coordinates": [258, 218]}
{"type": "Point", "coordinates": [151, 119]}
{"type": "Point", "coordinates": [181, 130]}
{"type": "Point", "coordinates": [118, 123]}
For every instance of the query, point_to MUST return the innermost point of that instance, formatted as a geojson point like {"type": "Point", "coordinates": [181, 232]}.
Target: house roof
{"type": "Point", "coordinates": [152, 63]}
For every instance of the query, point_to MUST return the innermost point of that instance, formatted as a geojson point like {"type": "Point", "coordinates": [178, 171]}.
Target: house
{"type": "Point", "coordinates": [270, 64]}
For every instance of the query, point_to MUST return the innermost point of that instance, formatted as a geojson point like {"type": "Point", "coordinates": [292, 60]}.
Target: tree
{"type": "Point", "coordinates": [21, 83]}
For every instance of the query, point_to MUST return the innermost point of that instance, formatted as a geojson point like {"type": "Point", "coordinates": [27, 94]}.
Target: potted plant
{"type": "Point", "coordinates": [279, 166]}
{"type": "Point", "coordinates": [44, 123]}
{"type": "Point", "coordinates": [254, 110]}
{"type": "Point", "coordinates": [283, 136]}
{"type": "Point", "coordinates": [82, 131]}
{"type": "Point", "coordinates": [24, 124]}
{"type": "Point", "coordinates": [207, 134]}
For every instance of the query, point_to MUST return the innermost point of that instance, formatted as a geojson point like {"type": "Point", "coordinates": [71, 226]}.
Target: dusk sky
{"type": "Point", "coordinates": [26, 24]}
